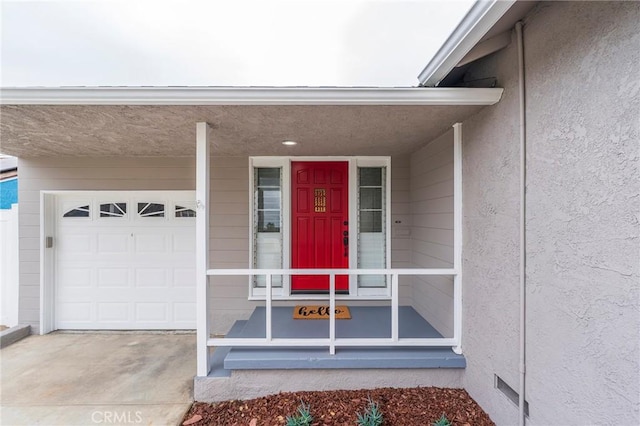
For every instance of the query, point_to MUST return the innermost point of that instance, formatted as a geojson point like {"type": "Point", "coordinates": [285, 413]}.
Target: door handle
{"type": "Point", "coordinates": [345, 241]}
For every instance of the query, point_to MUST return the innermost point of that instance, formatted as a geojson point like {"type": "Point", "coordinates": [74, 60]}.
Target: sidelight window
{"type": "Point", "coordinates": [267, 239]}
{"type": "Point", "coordinates": [371, 224]}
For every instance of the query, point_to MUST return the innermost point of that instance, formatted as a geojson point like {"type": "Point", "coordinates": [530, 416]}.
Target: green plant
{"type": "Point", "coordinates": [372, 415]}
{"type": "Point", "coordinates": [442, 421]}
{"type": "Point", "coordinates": [302, 418]}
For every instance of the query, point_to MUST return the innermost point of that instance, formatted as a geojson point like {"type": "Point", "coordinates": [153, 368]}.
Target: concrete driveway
{"type": "Point", "coordinates": [97, 378]}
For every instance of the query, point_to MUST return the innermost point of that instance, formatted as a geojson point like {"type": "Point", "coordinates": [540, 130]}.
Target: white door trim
{"type": "Point", "coordinates": [285, 164]}
{"type": "Point", "coordinates": [47, 262]}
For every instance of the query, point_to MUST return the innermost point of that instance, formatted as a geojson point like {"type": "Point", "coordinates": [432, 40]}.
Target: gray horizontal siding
{"type": "Point", "coordinates": [38, 174]}
{"type": "Point", "coordinates": [229, 239]}
{"type": "Point", "coordinates": [400, 218]}
{"type": "Point", "coordinates": [431, 201]}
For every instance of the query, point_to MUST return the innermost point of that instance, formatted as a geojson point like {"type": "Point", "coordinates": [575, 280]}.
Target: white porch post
{"type": "Point", "coordinates": [457, 236]}
{"type": "Point", "coordinates": [202, 247]}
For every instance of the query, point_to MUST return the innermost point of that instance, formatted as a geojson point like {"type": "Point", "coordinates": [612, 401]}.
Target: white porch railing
{"type": "Point", "coordinates": [332, 341]}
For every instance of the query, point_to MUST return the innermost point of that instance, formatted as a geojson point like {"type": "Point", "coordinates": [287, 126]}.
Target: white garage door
{"type": "Point", "coordinates": [125, 260]}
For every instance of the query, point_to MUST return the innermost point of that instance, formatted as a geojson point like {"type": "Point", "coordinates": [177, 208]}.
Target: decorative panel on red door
{"type": "Point", "coordinates": [319, 223]}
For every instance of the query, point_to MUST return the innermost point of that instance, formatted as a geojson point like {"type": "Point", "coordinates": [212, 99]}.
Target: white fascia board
{"type": "Point", "coordinates": [248, 96]}
{"type": "Point", "coordinates": [482, 16]}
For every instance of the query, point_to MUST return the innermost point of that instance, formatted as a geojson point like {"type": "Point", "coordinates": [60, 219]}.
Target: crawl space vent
{"type": "Point", "coordinates": [510, 393]}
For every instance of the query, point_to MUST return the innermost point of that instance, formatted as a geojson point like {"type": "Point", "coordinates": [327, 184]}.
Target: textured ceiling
{"type": "Point", "coordinates": [40, 130]}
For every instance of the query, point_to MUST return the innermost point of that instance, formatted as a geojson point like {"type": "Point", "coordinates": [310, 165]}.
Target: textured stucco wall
{"type": "Point", "coordinates": [490, 244]}
{"type": "Point", "coordinates": [583, 203]}
{"type": "Point", "coordinates": [248, 384]}
{"type": "Point", "coordinates": [583, 200]}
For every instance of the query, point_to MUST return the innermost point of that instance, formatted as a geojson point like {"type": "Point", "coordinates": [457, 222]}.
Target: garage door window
{"type": "Point", "coordinates": [113, 210]}
{"type": "Point", "coordinates": [182, 211]}
{"type": "Point", "coordinates": [151, 210]}
{"type": "Point", "coordinates": [81, 211]}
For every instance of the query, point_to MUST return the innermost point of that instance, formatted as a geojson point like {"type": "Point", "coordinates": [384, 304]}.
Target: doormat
{"type": "Point", "coordinates": [319, 312]}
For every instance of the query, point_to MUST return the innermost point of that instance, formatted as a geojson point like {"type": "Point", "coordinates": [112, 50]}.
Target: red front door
{"type": "Point", "coordinates": [319, 222]}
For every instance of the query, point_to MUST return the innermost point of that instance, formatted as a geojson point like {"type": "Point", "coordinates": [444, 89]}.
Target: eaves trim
{"type": "Point", "coordinates": [248, 96]}
{"type": "Point", "coordinates": [482, 16]}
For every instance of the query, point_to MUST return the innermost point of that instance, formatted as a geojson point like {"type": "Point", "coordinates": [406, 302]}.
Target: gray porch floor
{"type": "Point", "coordinates": [370, 321]}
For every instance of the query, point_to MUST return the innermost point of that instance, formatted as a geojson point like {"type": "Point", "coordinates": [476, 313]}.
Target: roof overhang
{"type": "Point", "coordinates": [482, 16]}
{"type": "Point", "coordinates": [151, 121]}
{"type": "Point", "coordinates": [247, 96]}
{"type": "Point", "coordinates": [485, 29]}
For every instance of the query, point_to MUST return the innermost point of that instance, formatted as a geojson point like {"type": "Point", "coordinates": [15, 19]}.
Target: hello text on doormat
{"type": "Point", "coordinates": [320, 312]}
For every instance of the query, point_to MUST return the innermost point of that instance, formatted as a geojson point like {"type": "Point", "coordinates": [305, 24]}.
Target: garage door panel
{"type": "Point", "coordinates": [184, 243]}
{"type": "Point", "coordinates": [73, 244]}
{"type": "Point", "coordinates": [184, 313]}
{"type": "Point", "coordinates": [152, 277]}
{"type": "Point", "coordinates": [179, 295]}
{"type": "Point", "coordinates": [75, 312]}
{"type": "Point", "coordinates": [151, 312]}
{"type": "Point", "coordinates": [150, 243]}
{"type": "Point", "coordinates": [68, 294]}
{"type": "Point", "coordinates": [113, 312]}
{"type": "Point", "coordinates": [77, 277]}
{"type": "Point", "coordinates": [184, 277]}
{"type": "Point", "coordinates": [113, 243]}
{"type": "Point", "coordinates": [129, 272]}
{"type": "Point", "coordinates": [113, 277]}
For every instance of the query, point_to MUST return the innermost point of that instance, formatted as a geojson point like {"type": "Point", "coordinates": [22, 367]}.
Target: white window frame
{"type": "Point", "coordinates": [284, 163]}
{"type": "Point", "coordinates": [258, 293]}
{"type": "Point", "coordinates": [353, 207]}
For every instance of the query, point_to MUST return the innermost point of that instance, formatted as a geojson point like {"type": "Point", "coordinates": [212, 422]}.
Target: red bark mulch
{"type": "Point", "coordinates": [402, 407]}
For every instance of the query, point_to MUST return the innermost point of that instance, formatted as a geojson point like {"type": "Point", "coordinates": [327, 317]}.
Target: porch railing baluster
{"type": "Point", "coordinates": [457, 312]}
{"type": "Point", "coordinates": [394, 307]}
{"type": "Point", "coordinates": [332, 314]}
{"type": "Point", "coordinates": [268, 308]}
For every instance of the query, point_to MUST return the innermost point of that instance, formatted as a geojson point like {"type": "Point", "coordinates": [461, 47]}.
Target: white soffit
{"type": "Point", "coordinates": [248, 96]}
{"type": "Point", "coordinates": [482, 16]}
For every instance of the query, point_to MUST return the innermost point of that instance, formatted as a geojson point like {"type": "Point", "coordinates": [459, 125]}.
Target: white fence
{"type": "Point", "coordinates": [9, 266]}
